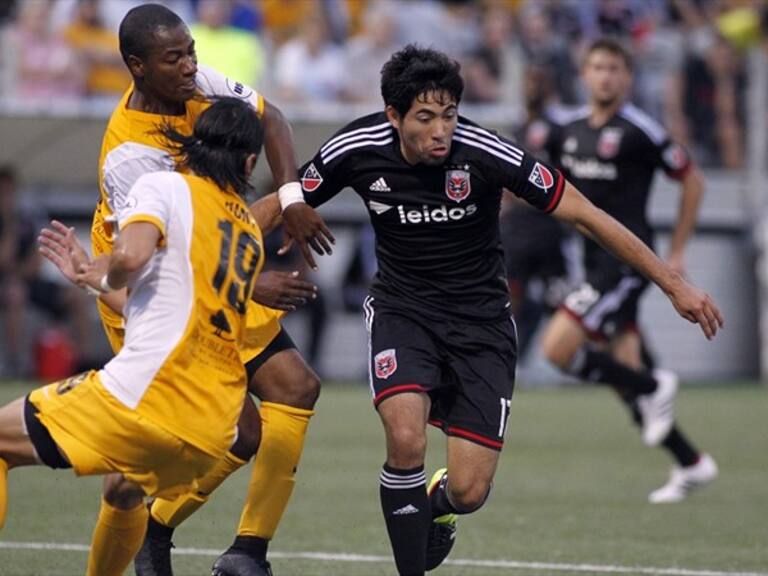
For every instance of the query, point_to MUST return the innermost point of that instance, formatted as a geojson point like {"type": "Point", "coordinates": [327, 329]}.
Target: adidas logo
{"type": "Point", "coordinates": [409, 509]}
{"type": "Point", "coordinates": [380, 186]}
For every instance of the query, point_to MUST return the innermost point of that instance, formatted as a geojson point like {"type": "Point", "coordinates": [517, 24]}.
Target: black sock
{"type": "Point", "coordinates": [251, 545]}
{"type": "Point", "coordinates": [407, 514]}
{"type": "Point", "coordinates": [595, 366]}
{"type": "Point", "coordinates": [157, 530]}
{"type": "Point", "coordinates": [681, 449]}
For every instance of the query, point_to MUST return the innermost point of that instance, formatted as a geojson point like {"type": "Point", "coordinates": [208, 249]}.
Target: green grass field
{"type": "Point", "coordinates": [570, 493]}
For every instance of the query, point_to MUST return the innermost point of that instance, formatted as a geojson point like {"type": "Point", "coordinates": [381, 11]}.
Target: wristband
{"type": "Point", "coordinates": [290, 193]}
{"type": "Point", "coordinates": [104, 285]}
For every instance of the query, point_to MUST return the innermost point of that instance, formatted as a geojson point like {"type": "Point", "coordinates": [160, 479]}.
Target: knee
{"type": "Point", "coordinates": [406, 447]}
{"type": "Point", "coordinates": [557, 349]}
{"type": "Point", "coordinates": [121, 493]}
{"type": "Point", "coordinates": [468, 496]}
{"type": "Point", "coordinates": [301, 390]}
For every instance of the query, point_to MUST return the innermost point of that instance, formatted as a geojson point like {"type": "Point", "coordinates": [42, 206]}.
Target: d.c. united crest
{"type": "Point", "coordinates": [457, 186]}
{"type": "Point", "coordinates": [609, 142]}
{"type": "Point", "coordinates": [385, 363]}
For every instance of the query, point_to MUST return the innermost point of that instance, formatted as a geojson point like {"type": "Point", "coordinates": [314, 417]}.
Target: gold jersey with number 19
{"type": "Point", "coordinates": [133, 146]}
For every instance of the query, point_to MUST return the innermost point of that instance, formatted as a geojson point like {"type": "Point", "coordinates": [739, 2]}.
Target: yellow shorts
{"type": "Point", "coordinates": [99, 435]}
{"type": "Point", "coordinates": [262, 325]}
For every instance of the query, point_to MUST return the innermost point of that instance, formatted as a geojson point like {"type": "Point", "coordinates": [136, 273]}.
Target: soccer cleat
{"type": "Point", "coordinates": [236, 562]}
{"type": "Point", "coordinates": [683, 481]}
{"type": "Point", "coordinates": [154, 556]}
{"type": "Point", "coordinates": [442, 531]}
{"type": "Point", "coordinates": [658, 408]}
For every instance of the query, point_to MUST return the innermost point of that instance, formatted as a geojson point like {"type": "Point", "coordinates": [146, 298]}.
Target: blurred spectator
{"type": "Point", "coordinates": [541, 44]}
{"type": "Point", "coordinates": [21, 282]}
{"type": "Point", "coordinates": [234, 52]}
{"type": "Point", "coordinates": [310, 67]}
{"type": "Point", "coordinates": [367, 52]}
{"type": "Point", "coordinates": [46, 67]}
{"type": "Point", "coordinates": [282, 24]}
{"type": "Point", "coordinates": [450, 26]}
{"type": "Point", "coordinates": [493, 70]}
{"type": "Point", "coordinates": [98, 49]}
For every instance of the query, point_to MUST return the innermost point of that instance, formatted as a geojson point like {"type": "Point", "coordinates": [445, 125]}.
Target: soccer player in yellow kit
{"type": "Point", "coordinates": [188, 251]}
{"type": "Point", "coordinates": [170, 87]}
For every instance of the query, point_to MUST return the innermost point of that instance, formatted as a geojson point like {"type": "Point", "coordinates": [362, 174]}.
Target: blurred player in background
{"type": "Point", "coordinates": [611, 151]}
{"type": "Point", "coordinates": [542, 255]}
{"type": "Point", "coordinates": [442, 342]}
{"type": "Point", "coordinates": [168, 86]}
{"type": "Point", "coordinates": [188, 251]}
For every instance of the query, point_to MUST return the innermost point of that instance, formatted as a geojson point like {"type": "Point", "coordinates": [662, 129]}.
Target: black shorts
{"type": "Point", "coordinates": [606, 304]}
{"type": "Point", "coordinates": [467, 369]}
{"type": "Point", "coordinates": [279, 343]}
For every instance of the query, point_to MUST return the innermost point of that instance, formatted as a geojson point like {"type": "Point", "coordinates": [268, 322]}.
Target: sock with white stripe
{"type": "Point", "coordinates": [407, 513]}
{"type": "Point", "coordinates": [600, 367]}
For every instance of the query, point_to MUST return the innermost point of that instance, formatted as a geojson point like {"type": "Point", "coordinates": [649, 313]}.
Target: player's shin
{"type": "Point", "coordinates": [283, 430]}
{"type": "Point", "coordinates": [116, 539]}
{"type": "Point", "coordinates": [600, 367]}
{"type": "Point", "coordinates": [407, 514]}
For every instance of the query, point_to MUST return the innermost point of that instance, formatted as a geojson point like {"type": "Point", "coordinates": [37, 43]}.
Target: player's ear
{"type": "Point", "coordinates": [136, 66]}
{"type": "Point", "coordinates": [393, 116]}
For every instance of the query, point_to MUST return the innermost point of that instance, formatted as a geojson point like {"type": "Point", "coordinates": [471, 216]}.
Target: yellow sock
{"type": "Point", "coordinates": [171, 513]}
{"type": "Point", "coordinates": [283, 429]}
{"type": "Point", "coordinates": [3, 491]}
{"type": "Point", "coordinates": [117, 537]}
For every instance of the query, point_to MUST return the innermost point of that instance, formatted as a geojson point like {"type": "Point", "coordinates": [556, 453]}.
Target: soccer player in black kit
{"type": "Point", "coordinates": [442, 342]}
{"type": "Point", "coordinates": [611, 150]}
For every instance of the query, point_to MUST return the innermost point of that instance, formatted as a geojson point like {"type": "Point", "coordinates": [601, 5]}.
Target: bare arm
{"type": "Point", "coordinates": [133, 248]}
{"type": "Point", "coordinates": [278, 145]}
{"type": "Point", "coordinates": [690, 200]}
{"type": "Point", "coordinates": [266, 212]}
{"type": "Point", "coordinates": [690, 302]}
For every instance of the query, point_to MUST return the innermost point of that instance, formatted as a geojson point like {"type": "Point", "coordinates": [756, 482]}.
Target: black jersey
{"type": "Point", "coordinates": [614, 166]}
{"type": "Point", "coordinates": [437, 227]}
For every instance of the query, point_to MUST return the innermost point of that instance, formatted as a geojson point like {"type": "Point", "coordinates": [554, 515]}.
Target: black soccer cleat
{"type": "Point", "coordinates": [154, 557]}
{"type": "Point", "coordinates": [239, 563]}
{"type": "Point", "coordinates": [442, 535]}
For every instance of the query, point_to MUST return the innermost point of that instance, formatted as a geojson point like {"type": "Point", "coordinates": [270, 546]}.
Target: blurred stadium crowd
{"type": "Point", "coordinates": [690, 70]}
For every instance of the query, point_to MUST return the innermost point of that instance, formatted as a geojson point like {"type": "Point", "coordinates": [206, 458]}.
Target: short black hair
{"type": "Point", "coordinates": [615, 47]}
{"type": "Point", "coordinates": [138, 27]}
{"type": "Point", "coordinates": [223, 137]}
{"type": "Point", "coordinates": [415, 71]}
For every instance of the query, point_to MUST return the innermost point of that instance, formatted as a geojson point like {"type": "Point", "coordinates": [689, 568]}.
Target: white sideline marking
{"type": "Point", "coordinates": [330, 557]}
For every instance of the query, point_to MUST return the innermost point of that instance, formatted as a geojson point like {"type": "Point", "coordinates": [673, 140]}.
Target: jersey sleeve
{"type": "Point", "coordinates": [118, 178]}
{"type": "Point", "coordinates": [213, 83]}
{"type": "Point", "coordinates": [527, 177]}
{"type": "Point", "coordinates": [671, 157]}
{"type": "Point", "coordinates": [320, 181]}
{"type": "Point", "coordinates": [149, 200]}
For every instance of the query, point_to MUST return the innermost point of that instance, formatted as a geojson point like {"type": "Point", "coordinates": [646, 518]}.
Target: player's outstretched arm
{"type": "Point", "coordinates": [302, 223]}
{"type": "Point", "coordinates": [690, 302]}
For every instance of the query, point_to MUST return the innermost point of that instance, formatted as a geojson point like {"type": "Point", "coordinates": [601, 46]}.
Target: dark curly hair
{"type": "Point", "coordinates": [223, 138]}
{"type": "Point", "coordinates": [415, 71]}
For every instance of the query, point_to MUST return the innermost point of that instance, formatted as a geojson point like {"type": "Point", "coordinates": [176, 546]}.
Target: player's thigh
{"type": "Point", "coordinates": [471, 468]}
{"type": "Point", "coordinates": [481, 362]}
{"type": "Point", "coordinates": [403, 353]}
{"type": "Point", "coordinates": [280, 374]}
{"type": "Point", "coordinates": [15, 446]}
{"type": "Point", "coordinates": [404, 417]}
{"type": "Point", "coordinates": [562, 338]}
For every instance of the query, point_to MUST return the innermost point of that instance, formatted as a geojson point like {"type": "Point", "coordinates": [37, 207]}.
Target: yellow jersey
{"type": "Point", "coordinates": [180, 366]}
{"type": "Point", "coordinates": [132, 146]}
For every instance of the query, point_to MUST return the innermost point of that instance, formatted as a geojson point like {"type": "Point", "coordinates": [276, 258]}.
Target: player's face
{"type": "Point", "coordinates": [607, 77]}
{"type": "Point", "coordinates": [171, 65]}
{"type": "Point", "coordinates": [427, 128]}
